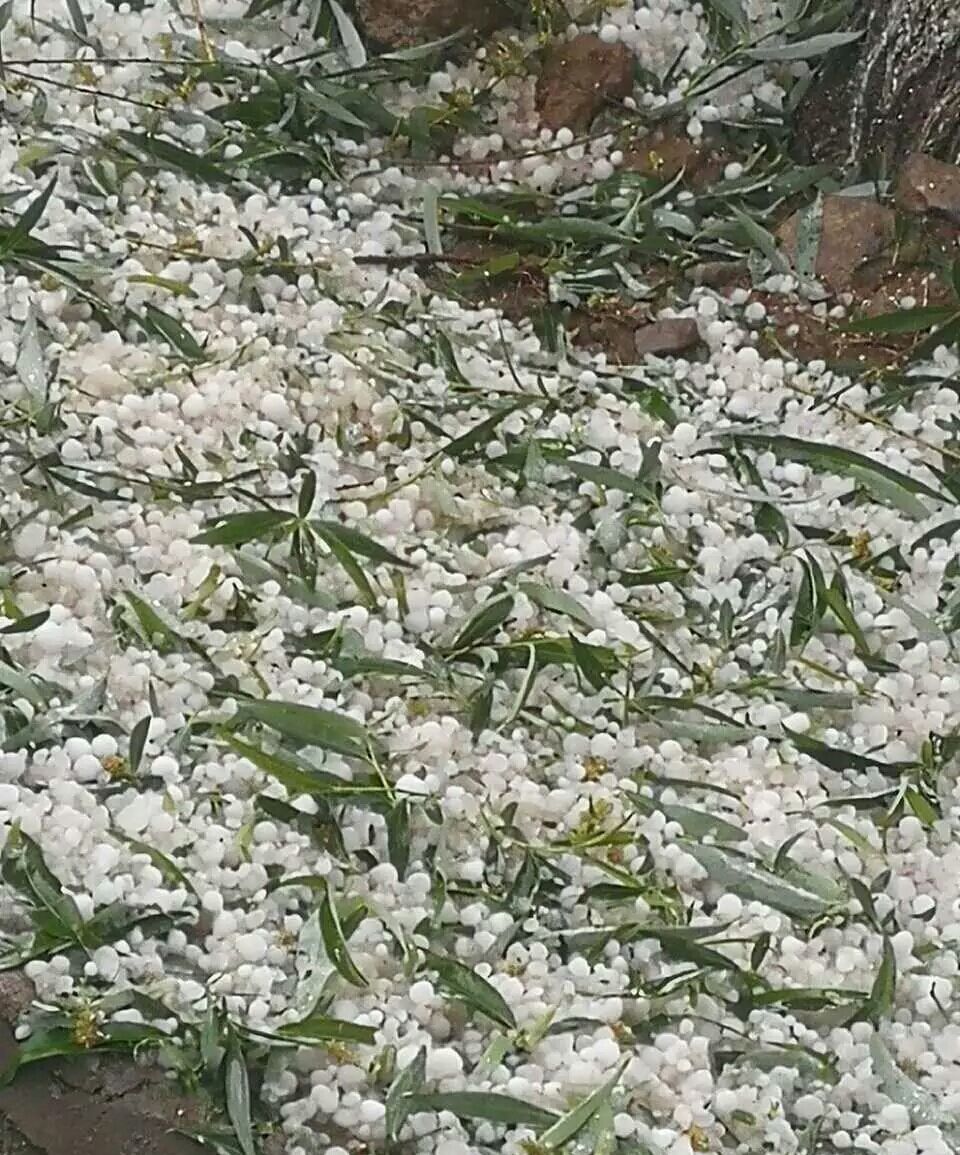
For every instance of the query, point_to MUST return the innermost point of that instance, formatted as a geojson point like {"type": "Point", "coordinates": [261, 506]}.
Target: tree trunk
{"type": "Point", "coordinates": [896, 91]}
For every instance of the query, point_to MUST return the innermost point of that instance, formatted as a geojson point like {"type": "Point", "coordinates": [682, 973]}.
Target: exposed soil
{"type": "Point", "coordinates": [580, 77]}
{"type": "Point", "coordinates": [665, 151]}
{"type": "Point", "coordinates": [403, 23]}
{"type": "Point", "coordinates": [101, 1104]}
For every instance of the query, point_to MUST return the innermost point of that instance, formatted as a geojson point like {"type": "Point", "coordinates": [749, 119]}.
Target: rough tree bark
{"type": "Point", "coordinates": [895, 91]}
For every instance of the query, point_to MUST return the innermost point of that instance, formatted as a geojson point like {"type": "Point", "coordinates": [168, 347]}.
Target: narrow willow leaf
{"type": "Point", "coordinates": [923, 1107]}
{"type": "Point", "coordinates": [917, 320]}
{"type": "Point", "coordinates": [879, 1003]}
{"type": "Point", "coordinates": [23, 227]}
{"type": "Point", "coordinates": [558, 601]}
{"type": "Point", "coordinates": [349, 37]}
{"type": "Point", "coordinates": [762, 239]}
{"type": "Point", "coordinates": [138, 740]}
{"type": "Point", "coordinates": [595, 662]}
{"type": "Point", "coordinates": [836, 458]}
{"type": "Point", "coordinates": [237, 1094]}
{"type": "Point", "coordinates": [30, 368]}
{"type": "Point", "coordinates": [400, 1095]}
{"type": "Point", "coordinates": [321, 1028]}
{"type": "Point", "coordinates": [809, 232]}
{"type": "Point", "coordinates": [431, 220]}
{"type": "Point", "coordinates": [465, 984]}
{"type": "Point", "coordinates": [311, 726]}
{"type": "Point", "coordinates": [335, 943]}
{"type": "Point", "coordinates": [842, 760]}
{"type": "Point", "coordinates": [358, 542]}
{"type": "Point", "coordinates": [576, 1119]}
{"type": "Point", "coordinates": [490, 1107]}
{"type": "Point", "coordinates": [803, 49]}
{"type": "Point", "coordinates": [479, 435]}
{"type": "Point", "coordinates": [77, 18]}
{"type": "Point", "coordinates": [700, 824]}
{"type": "Point", "coordinates": [756, 884]}
{"type": "Point", "coordinates": [160, 324]}
{"type": "Point", "coordinates": [484, 621]}
{"type": "Point", "coordinates": [605, 478]}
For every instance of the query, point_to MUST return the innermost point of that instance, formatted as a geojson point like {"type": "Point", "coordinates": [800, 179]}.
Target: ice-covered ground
{"type": "Point", "coordinates": [619, 746]}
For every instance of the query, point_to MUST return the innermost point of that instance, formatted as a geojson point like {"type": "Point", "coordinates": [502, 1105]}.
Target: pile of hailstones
{"type": "Point", "coordinates": [313, 364]}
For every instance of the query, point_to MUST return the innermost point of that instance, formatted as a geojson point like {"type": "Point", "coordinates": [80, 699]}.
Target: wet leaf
{"type": "Point", "coordinates": [756, 884]}
{"type": "Point", "coordinates": [803, 49]}
{"type": "Point", "coordinates": [335, 943]}
{"type": "Point", "coordinates": [237, 1091]}
{"type": "Point", "coordinates": [239, 528]}
{"type": "Point", "coordinates": [565, 1128]}
{"type": "Point", "coordinates": [311, 726]}
{"type": "Point", "coordinates": [400, 1095]}
{"type": "Point", "coordinates": [474, 990]}
{"type": "Point", "coordinates": [490, 1107]}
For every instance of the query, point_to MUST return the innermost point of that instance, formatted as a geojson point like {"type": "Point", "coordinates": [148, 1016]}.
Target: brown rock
{"type": "Point", "coordinates": [668, 149]}
{"type": "Point", "coordinates": [853, 231]}
{"type": "Point", "coordinates": [667, 336]}
{"type": "Point", "coordinates": [579, 78]}
{"type": "Point", "coordinates": [720, 274]}
{"type": "Point", "coordinates": [927, 185]}
{"type": "Point", "coordinates": [402, 23]}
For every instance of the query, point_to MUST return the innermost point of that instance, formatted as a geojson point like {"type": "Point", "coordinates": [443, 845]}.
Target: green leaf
{"type": "Point", "coordinates": [596, 663]}
{"type": "Point", "coordinates": [752, 882]}
{"type": "Point", "coordinates": [567, 1127]}
{"type": "Point", "coordinates": [558, 602]}
{"type": "Point", "coordinates": [169, 155]}
{"type": "Point", "coordinates": [138, 740]}
{"type": "Point", "coordinates": [168, 868]}
{"type": "Point", "coordinates": [335, 943]}
{"type": "Point", "coordinates": [27, 221]}
{"type": "Point", "coordinates": [354, 569]}
{"type": "Point", "coordinates": [835, 458]}
{"type": "Point", "coordinates": [760, 238]}
{"type": "Point", "coordinates": [349, 38]}
{"type": "Point", "coordinates": [809, 235]}
{"type": "Point", "coordinates": [239, 528]}
{"type": "Point", "coordinates": [660, 575]}
{"type": "Point", "coordinates": [700, 824]}
{"type": "Point", "coordinates": [321, 1028]}
{"type": "Point", "coordinates": [924, 1108]}
{"type": "Point", "coordinates": [431, 222]}
{"type": "Point", "coordinates": [731, 10]}
{"type": "Point", "coordinates": [77, 18]}
{"type": "Point", "coordinates": [310, 726]}
{"type": "Point", "coordinates": [398, 836]}
{"type": "Point", "coordinates": [27, 623]}
{"type": "Point", "coordinates": [605, 478]}
{"type": "Point", "coordinates": [401, 1092]}
{"type": "Point", "coordinates": [156, 631]}
{"type": "Point", "coordinates": [50, 1043]}
{"type": "Point", "coordinates": [902, 320]}
{"type": "Point", "coordinates": [358, 542]}
{"type": "Point", "coordinates": [483, 622]}
{"type": "Point", "coordinates": [480, 433]}
{"type": "Point", "coordinates": [842, 760]}
{"type": "Point", "coordinates": [465, 984]}
{"type": "Point", "coordinates": [484, 1105]}
{"type": "Point", "coordinates": [879, 1003]}
{"type": "Point", "coordinates": [160, 324]}
{"type": "Point", "coordinates": [834, 600]}
{"type": "Point", "coordinates": [803, 49]}
{"type": "Point", "coordinates": [237, 1093]}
